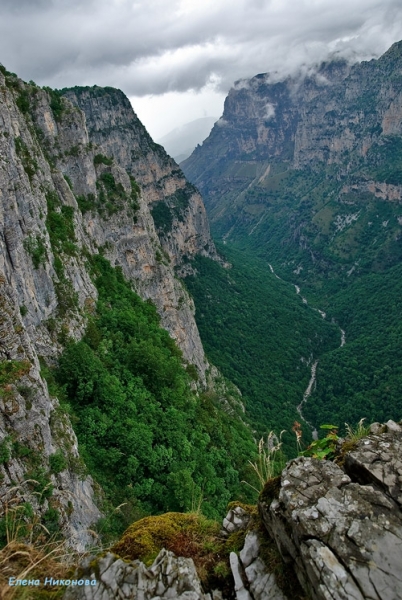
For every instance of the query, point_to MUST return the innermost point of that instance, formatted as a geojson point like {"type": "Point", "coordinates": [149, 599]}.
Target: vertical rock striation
{"type": "Point", "coordinates": [78, 175]}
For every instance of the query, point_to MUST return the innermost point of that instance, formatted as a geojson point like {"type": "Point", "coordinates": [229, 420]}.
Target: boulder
{"type": "Point", "coordinates": [168, 577]}
{"type": "Point", "coordinates": [236, 519]}
{"type": "Point", "coordinates": [342, 529]}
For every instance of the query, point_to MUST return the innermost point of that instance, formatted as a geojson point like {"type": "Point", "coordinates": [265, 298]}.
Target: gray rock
{"type": "Point", "coordinates": [343, 532]}
{"type": "Point", "coordinates": [237, 571]}
{"type": "Point", "coordinates": [168, 577]}
{"type": "Point", "coordinates": [377, 459]}
{"type": "Point", "coordinates": [376, 428]}
{"type": "Point", "coordinates": [393, 427]}
{"type": "Point", "coordinates": [250, 549]}
{"type": "Point", "coordinates": [262, 583]}
{"type": "Point", "coordinates": [236, 519]}
{"type": "Point", "coordinates": [91, 123]}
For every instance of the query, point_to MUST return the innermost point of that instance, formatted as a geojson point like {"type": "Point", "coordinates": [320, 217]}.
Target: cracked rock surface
{"type": "Point", "coordinates": [167, 577]}
{"type": "Point", "coordinates": [342, 529]}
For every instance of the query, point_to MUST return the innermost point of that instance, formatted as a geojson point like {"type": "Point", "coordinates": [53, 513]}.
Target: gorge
{"type": "Point", "coordinates": [141, 360]}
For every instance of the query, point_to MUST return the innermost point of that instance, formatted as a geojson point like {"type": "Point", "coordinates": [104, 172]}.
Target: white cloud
{"type": "Point", "coordinates": [269, 111]}
{"type": "Point", "coordinates": [162, 113]}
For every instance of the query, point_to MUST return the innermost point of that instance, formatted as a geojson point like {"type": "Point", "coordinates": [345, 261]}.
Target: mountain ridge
{"type": "Point", "coordinates": [305, 174]}
{"type": "Point", "coordinates": [86, 195]}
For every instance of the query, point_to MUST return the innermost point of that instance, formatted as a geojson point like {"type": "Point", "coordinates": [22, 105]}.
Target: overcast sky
{"type": "Point", "coordinates": [176, 59]}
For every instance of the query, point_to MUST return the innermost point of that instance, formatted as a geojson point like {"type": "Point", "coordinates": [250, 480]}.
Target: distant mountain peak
{"type": "Point", "coordinates": [181, 141]}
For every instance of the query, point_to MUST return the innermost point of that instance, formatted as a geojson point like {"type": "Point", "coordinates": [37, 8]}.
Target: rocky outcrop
{"type": "Point", "coordinates": [336, 528]}
{"type": "Point", "coordinates": [341, 528]}
{"type": "Point", "coordinates": [33, 428]}
{"type": "Point", "coordinates": [308, 120]}
{"type": "Point", "coordinates": [167, 577]}
{"type": "Point", "coordinates": [150, 248]}
{"type": "Point", "coordinates": [253, 580]}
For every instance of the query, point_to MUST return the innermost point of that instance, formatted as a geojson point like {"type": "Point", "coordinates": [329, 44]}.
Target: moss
{"type": "Point", "coordinates": [284, 573]}
{"type": "Point", "coordinates": [347, 446]}
{"type": "Point", "coordinates": [235, 541]}
{"type": "Point", "coordinates": [189, 535]}
{"type": "Point", "coordinates": [271, 490]}
{"type": "Point", "coordinates": [12, 370]}
{"type": "Point", "coordinates": [250, 509]}
{"type": "Point", "coordinates": [144, 539]}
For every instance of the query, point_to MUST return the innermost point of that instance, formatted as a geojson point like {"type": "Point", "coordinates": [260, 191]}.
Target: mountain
{"type": "Point", "coordinates": [109, 409]}
{"type": "Point", "coordinates": [305, 174]}
{"type": "Point", "coordinates": [307, 164]}
{"type": "Point", "coordinates": [181, 141]}
{"type": "Point", "coordinates": [102, 372]}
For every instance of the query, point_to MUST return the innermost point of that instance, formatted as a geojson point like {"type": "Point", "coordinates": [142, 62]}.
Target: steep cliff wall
{"type": "Point", "coordinates": [289, 160]}
{"type": "Point", "coordinates": [306, 173]}
{"type": "Point", "coordinates": [74, 182]}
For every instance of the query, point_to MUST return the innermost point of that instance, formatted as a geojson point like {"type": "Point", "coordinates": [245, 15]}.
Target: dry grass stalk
{"type": "Point", "coordinates": [266, 465]}
{"type": "Point", "coordinates": [361, 430]}
{"type": "Point", "coordinates": [30, 552]}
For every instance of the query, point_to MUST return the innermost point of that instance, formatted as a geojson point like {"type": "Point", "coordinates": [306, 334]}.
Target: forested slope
{"type": "Point", "coordinates": [305, 174]}
{"type": "Point", "coordinates": [261, 335]}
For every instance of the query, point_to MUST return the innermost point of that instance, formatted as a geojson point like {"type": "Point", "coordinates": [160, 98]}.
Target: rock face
{"type": "Point", "coordinates": [168, 577]}
{"type": "Point", "coordinates": [170, 226]}
{"type": "Point", "coordinates": [342, 528]}
{"type": "Point", "coordinates": [301, 164]}
{"type": "Point", "coordinates": [79, 175]}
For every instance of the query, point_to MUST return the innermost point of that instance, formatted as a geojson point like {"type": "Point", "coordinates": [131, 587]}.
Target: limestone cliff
{"type": "Point", "coordinates": [78, 175]}
{"type": "Point", "coordinates": [291, 159]}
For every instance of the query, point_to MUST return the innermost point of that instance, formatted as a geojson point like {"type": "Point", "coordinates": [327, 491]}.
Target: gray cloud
{"type": "Point", "coordinates": [153, 47]}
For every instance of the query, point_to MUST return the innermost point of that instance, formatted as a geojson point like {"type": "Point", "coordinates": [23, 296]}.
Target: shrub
{"type": "Point", "coordinates": [100, 159]}
{"type": "Point", "coordinates": [162, 216]}
{"type": "Point", "coordinates": [23, 101]}
{"type": "Point", "coordinates": [60, 225]}
{"type": "Point", "coordinates": [86, 203]}
{"type": "Point", "coordinates": [29, 164]}
{"type": "Point", "coordinates": [36, 248]}
{"type": "Point", "coordinates": [5, 453]}
{"type": "Point", "coordinates": [324, 447]}
{"type": "Point", "coordinates": [57, 462]}
{"type": "Point", "coordinates": [69, 182]}
{"type": "Point", "coordinates": [56, 103]}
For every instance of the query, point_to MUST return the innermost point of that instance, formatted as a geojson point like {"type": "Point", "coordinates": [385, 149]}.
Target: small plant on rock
{"type": "Point", "coordinates": [270, 461]}
{"type": "Point", "coordinates": [356, 434]}
{"type": "Point", "coordinates": [325, 447]}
